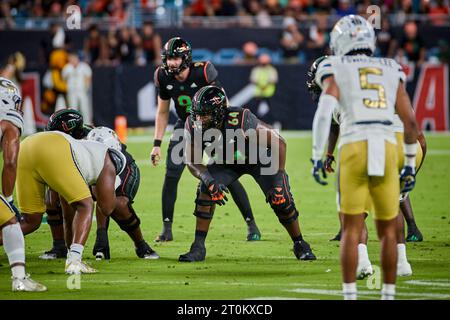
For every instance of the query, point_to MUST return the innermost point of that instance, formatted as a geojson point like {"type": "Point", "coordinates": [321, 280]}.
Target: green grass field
{"type": "Point", "coordinates": [237, 269]}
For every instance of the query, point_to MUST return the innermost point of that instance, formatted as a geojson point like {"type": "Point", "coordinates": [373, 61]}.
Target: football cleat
{"type": "Point", "coordinates": [144, 251]}
{"type": "Point", "coordinates": [253, 237]}
{"type": "Point", "coordinates": [165, 236]}
{"type": "Point", "coordinates": [364, 270]}
{"type": "Point", "coordinates": [414, 235]}
{"type": "Point", "coordinates": [54, 253]}
{"type": "Point", "coordinates": [337, 237]}
{"type": "Point", "coordinates": [27, 285]}
{"type": "Point", "coordinates": [196, 253]}
{"type": "Point", "coordinates": [78, 267]}
{"type": "Point", "coordinates": [303, 251]}
{"type": "Point", "coordinates": [404, 269]}
{"type": "Point", "coordinates": [253, 233]}
{"type": "Point", "coordinates": [101, 253]}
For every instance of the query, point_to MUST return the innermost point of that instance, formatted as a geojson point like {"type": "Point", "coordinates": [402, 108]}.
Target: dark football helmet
{"type": "Point", "coordinates": [311, 84]}
{"type": "Point", "coordinates": [176, 47]}
{"type": "Point", "coordinates": [212, 101]}
{"type": "Point", "coordinates": [69, 121]}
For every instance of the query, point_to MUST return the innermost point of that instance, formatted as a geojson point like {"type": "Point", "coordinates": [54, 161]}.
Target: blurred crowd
{"type": "Point", "coordinates": [298, 42]}
{"type": "Point", "coordinates": [251, 12]}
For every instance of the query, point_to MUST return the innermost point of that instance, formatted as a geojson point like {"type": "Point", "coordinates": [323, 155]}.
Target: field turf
{"type": "Point", "coordinates": [237, 269]}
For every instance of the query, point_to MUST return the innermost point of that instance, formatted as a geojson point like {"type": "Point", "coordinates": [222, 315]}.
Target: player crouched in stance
{"type": "Point", "coordinates": [211, 116]}
{"type": "Point", "coordinates": [69, 167]}
{"type": "Point", "coordinates": [71, 122]}
{"type": "Point", "coordinates": [11, 123]}
{"type": "Point", "coordinates": [366, 92]}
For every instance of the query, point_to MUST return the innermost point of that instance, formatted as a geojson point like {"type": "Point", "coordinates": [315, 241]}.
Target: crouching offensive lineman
{"type": "Point", "coordinates": [211, 116]}
{"type": "Point", "coordinates": [70, 121]}
{"type": "Point", "coordinates": [69, 167]}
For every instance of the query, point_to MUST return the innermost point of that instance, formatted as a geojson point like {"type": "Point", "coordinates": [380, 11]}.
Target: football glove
{"type": "Point", "coordinates": [217, 192]}
{"type": "Point", "coordinates": [329, 163]}
{"type": "Point", "coordinates": [407, 179]}
{"type": "Point", "coordinates": [215, 189]}
{"type": "Point", "coordinates": [316, 170]}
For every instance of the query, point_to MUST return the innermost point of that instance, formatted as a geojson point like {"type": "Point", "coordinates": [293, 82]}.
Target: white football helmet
{"type": "Point", "coordinates": [106, 136]}
{"type": "Point", "coordinates": [350, 33]}
{"type": "Point", "coordinates": [10, 98]}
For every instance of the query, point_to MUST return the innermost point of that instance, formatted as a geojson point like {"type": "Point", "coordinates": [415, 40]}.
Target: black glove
{"type": "Point", "coordinates": [215, 189]}
{"type": "Point", "coordinates": [277, 195]}
{"type": "Point", "coordinates": [317, 168]}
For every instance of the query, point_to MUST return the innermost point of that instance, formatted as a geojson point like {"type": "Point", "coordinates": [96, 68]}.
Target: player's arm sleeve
{"type": "Point", "coordinates": [249, 120]}
{"type": "Point", "coordinates": [162, 92]}
{"type": "Point", "coordinates": [324, 70]}
{"type": "Point", "coordinates": [321, 124]}
{"type": "Point", "coordinates": [210, 73]}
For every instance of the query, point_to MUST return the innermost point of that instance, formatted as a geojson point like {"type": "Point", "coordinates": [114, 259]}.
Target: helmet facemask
{"type": "Point", "coordinates": [176, 47]}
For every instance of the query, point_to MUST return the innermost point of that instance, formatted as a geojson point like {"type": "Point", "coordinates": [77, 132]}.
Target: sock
{"type": "Point", "coordinates": [167, 226]}
{"type": "Point", "coordinates": [297, 239]}
{"type": "Point", "coordinates": [363, 255]}
{"type": "Point", "coordinates": [349, 291]}
{"type": "Point", "coordinates": [59, 243]}
{"type": "Point", "coordinates": [388, 291]}
{"type": "Point", "coordinates": [76, 251]}
{"type": "Point", "coordinates": [169, 196]}
{"type": "Point", "coordinates": [14, 245]}
{"type": "Point", "coordinates": [401, 253]}
{"type": "Point", "coordinates": [200, 237]}
{"type": "Point", "coordinates": [102, 236]}
{"type": "Point", "coordinates": [240, 197]}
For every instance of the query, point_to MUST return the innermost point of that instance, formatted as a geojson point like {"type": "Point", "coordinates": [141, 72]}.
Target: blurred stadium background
{"type": "Point", "coordinates": [121, 40]}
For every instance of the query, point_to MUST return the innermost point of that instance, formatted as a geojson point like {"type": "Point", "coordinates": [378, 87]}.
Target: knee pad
{"type": "Point", "coordinates": [285, 219]}
{"type": "Point", "coordinates": [203, 214]}
{"type": "Point", "coordinates": [131, 223]}
{"type": "Point", "coordinates": [54, 217]}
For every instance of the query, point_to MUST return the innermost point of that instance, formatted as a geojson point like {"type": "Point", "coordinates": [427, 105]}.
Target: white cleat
{"type": "Point", "coordinates": [404, 269]}
{"type": "Point", "coordinates": [363, 270]}
{"type": "Point", "coordinates": [78, 267]}
{"type": "Point", "coordinates": [151, 256]}
{"type": "Point", "coordinates": [27, 285]}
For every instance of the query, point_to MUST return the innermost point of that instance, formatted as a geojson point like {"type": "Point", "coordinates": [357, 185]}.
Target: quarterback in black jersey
{"type": "Point", "coordinates": [179, 78]}
{"type": "Point", "coordinates": [71, 122]}
{"type": "Point", "coordinates": [238, 137]}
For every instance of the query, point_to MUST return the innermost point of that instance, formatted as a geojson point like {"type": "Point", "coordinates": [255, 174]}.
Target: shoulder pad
{"type": "Point", "coordinates": [324, 69]}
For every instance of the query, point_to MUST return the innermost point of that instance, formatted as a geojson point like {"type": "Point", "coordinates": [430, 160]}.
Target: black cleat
{"type": "Point", "coordinates": [165, 236]}
{"type": "Point", "coordinates": [337, 237]}
{"type": "Point", "coordinates": [101, 252]}
{"type": "Point", "coordinates": [303, 251]}
{"type": "Point", "coordinates": [414, 235]}
{"type": "Point", "coordinates": [254, 236]}
{"type": "Point", "coordinates": [196, 253]}
{"type": "Point", "coordinates": [253, 233]}
{"type": "Point", "coordinates": [144, 251]}
{"type": "Point", "coordinates": [54, 253]}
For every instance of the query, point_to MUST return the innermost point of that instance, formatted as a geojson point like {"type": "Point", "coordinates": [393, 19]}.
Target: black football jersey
{"type": "Point", "coordinates": [236, 123]}
{"type": "Point", "coordinates": [201, 74]}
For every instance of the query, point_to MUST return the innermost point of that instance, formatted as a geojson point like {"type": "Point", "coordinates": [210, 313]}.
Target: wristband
{"type": "Point", "coordinates": [157, 143]}
{"type": "Point", "coordinates": [206, 178]}
{"type": "Point", "coordinates": [9, 199]}
{"type": "Point", "coordinates": [410, 154]}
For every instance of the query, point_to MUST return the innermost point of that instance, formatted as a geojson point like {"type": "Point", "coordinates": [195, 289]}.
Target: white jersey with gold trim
{"type": "Point", "coordinates": [368, 92]}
